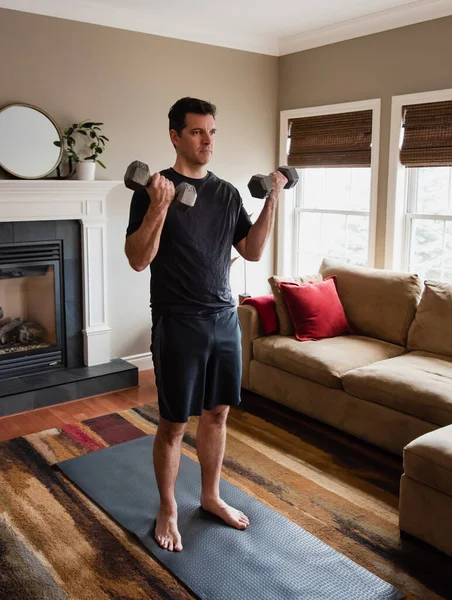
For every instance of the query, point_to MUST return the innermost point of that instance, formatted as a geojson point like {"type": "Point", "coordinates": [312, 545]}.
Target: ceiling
{"type": "Point", "coordinates": [274, 27]}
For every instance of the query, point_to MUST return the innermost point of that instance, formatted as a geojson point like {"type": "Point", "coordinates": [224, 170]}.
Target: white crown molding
{"type": "Point", "coordinates": [128, 19]}
{"type": "Point", "coordinates": [401, 16]}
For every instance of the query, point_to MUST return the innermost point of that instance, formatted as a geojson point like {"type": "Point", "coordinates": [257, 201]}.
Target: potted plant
{"type": "Point", "coordinates": [94, 145]}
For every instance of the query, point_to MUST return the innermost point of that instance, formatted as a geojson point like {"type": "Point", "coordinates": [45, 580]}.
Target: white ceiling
{"type": "Point", "coordinates": [274, 27]}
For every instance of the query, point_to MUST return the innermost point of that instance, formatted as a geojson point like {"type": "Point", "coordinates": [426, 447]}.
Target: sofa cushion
{"type": "Point", "coordinates": [417, 383]}
{"type": "Point", "coordinates": [378, 303]}
{"type": "Point", "coordinates": [431, 329]}
{"type": "Point", "coordinates": [315, 309]}
{"type": "Point", "coordinates": [428, 459]}
{"type": "Point", "coordinates": [324, 361]}
{"type": "Point", "coordinates": [285, 322]}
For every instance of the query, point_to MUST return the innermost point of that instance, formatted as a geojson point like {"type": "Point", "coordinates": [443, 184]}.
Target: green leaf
{"type": "Point", "coordinates": [102, 164]}
{"type": "Point", "coordinates": [70, 142]}
{"type": "Point", "coordinates": [65, 132]}
{"type": "Point", "coordinates": [102, 142]}
{"type": "Point", "coordinates": [70, 131]}
{"type": "Point", "coordinates": [92, 145]}
{"type": "Point", "coordinates": [90, 157]}
{"type": "Point", "coordinates": [81, 131]}
{"type": "Point", "coordinates": [88, 125]}
{"type": "Point", "coordinates": [99, 150]}
{"type": "Point", "coordinates": [104, 138]}
{"type": "Point", "coordinates": [98, 128]}
{"type": "Point", "coordinates": [92, 134]}
{"type": "Point", "coordinates": [57, 144]}
{"type": "Point", "coordinates": [97, 123]}
{"type": "Point", "coordinates": [74, 126]}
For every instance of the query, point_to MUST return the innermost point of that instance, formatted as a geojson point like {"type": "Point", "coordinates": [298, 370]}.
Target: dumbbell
{"type": "Point", "coordinates": [138, 176]}
{"type": "Point", "coordinates": [260, 186]}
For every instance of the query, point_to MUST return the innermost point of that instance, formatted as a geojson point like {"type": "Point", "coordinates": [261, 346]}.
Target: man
{"type": "Point", "coordinates": [196, 339]}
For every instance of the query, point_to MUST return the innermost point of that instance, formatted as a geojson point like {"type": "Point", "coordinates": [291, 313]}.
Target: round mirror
{"type": "Point", "coordinates": [26, 141]}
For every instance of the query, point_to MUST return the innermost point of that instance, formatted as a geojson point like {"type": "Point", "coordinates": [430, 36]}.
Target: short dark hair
{"type": "Point", "coordinates": [186, 105]}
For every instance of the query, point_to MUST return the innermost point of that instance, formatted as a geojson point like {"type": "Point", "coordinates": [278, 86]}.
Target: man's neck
{"type": "Point", "coordinates": [193, 171]}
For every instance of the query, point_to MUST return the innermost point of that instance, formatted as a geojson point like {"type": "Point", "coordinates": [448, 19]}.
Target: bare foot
{"type": "Point", "coordinates": [230, 515]}
{"type": "Point", "coordinates": [166, 531]}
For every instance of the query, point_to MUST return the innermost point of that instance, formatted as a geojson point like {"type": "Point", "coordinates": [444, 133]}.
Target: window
{"type": "Point", "coordinates": [428, 222]}
{"type": "Point", "coordinates": [331, 218]}
{"type": "Point", "coordinates": [331, 213]}
{"type": "Point", "coordinates": [419, 203]}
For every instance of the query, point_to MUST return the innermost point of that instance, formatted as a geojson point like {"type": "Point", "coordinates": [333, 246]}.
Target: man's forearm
{"type": "Point", "coordinates": [258, 234]}
{"type": "Point", "coordinates": [142, 246]}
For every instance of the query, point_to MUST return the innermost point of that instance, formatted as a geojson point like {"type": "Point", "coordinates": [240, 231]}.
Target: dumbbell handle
{"type": "Point", "coordinates": [185, 193]}
{"type": "Point", "coordinates": [261, 186]}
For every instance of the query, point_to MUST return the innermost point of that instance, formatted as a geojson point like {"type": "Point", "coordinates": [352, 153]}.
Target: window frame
{"type": "Point", "coordinates": [286, 225]}
{"type": "Point", "coordinates": [397, 216]}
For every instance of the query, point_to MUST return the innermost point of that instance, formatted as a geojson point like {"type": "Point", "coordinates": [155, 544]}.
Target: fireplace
{"type": "Point", "coordinates": [54, 332]}
{"type": "Point", "coordinates": [40, 298]}
{"type": "Point", "coordinates": [31, 329]}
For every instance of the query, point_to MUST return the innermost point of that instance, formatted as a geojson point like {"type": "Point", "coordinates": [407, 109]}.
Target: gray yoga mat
{"type": "Point", "coordinates": [273, 559]}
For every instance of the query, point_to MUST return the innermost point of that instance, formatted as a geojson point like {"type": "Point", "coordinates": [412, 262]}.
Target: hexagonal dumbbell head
{"type": "Point", "coordinates": [185, 197]}
{"type": "Point", "coordinates": [260, 186]}
{"type": "Point", "coordinates": [292, 176]}
{"type": "Point", "coordinates": [137, 176]}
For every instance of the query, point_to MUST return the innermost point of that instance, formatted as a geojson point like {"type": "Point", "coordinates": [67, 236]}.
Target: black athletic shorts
{"type": "Point", "coordinates": [197, 362]}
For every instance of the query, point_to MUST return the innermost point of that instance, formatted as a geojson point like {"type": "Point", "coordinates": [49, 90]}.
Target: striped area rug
{"type": "Point", "coordinates": [55, 544]}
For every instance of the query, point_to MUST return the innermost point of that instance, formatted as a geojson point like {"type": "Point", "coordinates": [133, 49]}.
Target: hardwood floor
{"type": "Point", "coordinates": [78, 410]}
{"type": "Point", "coordinates": [348, 490]}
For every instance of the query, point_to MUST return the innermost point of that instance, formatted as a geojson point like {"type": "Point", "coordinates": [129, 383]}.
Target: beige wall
{"type": "Point", "coordinates": [129, 80]}
{"type": "Point", "coordinates": [402, 61]}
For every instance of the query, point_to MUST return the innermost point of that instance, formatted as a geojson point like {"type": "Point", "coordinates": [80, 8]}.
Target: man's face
{"type": "Point", "coordinates": [196, 142]}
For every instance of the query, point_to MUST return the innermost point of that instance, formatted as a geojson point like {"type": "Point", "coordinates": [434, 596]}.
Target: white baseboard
{"type": "Point", "coordinates": [142, 361]}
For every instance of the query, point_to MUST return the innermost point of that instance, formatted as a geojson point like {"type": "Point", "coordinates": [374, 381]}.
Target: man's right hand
{"type": "Point", "coordinates": [161, 191]}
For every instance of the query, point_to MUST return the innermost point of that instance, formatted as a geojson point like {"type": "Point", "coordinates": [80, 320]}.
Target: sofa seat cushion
{"type": "Point", "coordinates": [428, 459]}
{"type": "Point", "coordinates": [417, 383]}
{"type": "Point", "coordinates": [324, 361]}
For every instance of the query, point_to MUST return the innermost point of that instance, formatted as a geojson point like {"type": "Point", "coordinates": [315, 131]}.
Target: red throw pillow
{"type": "Point", "coordinates": [266, 308]}
{"type": "Point", "coordinates": [315, 309]}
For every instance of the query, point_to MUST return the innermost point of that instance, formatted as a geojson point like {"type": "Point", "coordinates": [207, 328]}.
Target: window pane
{"type": "Point", "coordinates": [433, 190]}
{"type": "Point", "coordinates": [426, 251]}
{"type": "Point", "coordinates": [334, 189]}
{"type": "Point", "coordinates": [338, 188]}
{"type": "Point", "coordinates": [309, 255]}
{"type": "Point", "coordinates": [360, 189]}
{"type": "Point", "coordinates": [357, 240]}
{"type": "Point", "coordinates": [336, 236]}
{"type": "Point", "coordinates": [313, 189]}
{"type": "Point", "coordinates": [333, 240]}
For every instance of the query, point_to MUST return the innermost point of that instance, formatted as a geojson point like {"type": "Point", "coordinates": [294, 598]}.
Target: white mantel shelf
{"type": "Point", "coordinates": [36, 199]}
{"type": "Point", "coordinates": [50, 200]}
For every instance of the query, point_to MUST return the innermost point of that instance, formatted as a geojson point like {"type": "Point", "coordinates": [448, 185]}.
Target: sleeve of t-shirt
{"type": "Point", "coordinates": [138, 208]}
{"type": "Point", "coordinates": [243, 225]}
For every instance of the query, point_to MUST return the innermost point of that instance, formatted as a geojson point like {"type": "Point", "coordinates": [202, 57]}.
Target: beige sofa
{"type": "Point", "coordinates": [388, 383]}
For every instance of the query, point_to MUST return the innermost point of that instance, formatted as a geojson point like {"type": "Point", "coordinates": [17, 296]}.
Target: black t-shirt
{"type": "Point", "coordinates": [190, 272]}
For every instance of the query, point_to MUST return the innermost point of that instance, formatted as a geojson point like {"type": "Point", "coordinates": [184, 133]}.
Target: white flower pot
{"type": "Point", "coordinates": [86, 170]}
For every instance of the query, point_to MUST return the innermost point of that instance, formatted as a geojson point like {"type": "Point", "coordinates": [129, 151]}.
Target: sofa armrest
{"type": "Point", "coordinates": [251, 329]}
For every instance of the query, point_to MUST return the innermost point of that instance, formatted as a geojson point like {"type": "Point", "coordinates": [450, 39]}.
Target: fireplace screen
{"type": "Point", "coordinates": [27, 308]}
{"type": "Point", "coordinates": [30, 308]}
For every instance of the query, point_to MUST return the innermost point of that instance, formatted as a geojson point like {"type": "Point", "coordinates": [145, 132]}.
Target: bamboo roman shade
{"type": "Point", "coordinates": [339, 140]}
{"type": "Point", "coordinates": [427, 139]}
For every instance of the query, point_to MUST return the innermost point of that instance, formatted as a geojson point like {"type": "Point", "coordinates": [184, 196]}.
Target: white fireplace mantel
{"type": "Point", "coordinates": [50, 200]}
